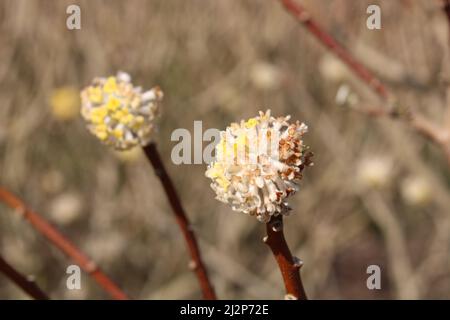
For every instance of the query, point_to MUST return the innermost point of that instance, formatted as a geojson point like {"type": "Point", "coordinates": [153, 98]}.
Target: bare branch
{"type": "Point", "coordinates": [62, 243]}
{"type": "Point", "coordinates": [183, 222]}
{"type": "Point", "coordinates": [22, 281]}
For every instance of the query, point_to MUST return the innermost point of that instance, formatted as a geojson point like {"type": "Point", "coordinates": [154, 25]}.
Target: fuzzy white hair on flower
{"type": "Point", "coordinates": [259, 163]}
{"type": "Point", "coordinates": [118, 113]}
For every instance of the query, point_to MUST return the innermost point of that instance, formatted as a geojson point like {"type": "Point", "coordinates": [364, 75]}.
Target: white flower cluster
{"type": "Point", "coordinates": [258, 164]}
{"type": "Point", "coordinates": [118, 113]}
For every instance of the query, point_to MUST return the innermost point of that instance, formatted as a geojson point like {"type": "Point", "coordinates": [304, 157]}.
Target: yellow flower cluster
{"type": "Point", "coordinates": [118, 113]}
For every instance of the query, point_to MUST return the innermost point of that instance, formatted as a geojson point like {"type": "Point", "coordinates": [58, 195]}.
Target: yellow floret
{"type": "Point", "coordinates": [101, 131]}
{"type": "Point", "coordinates": [251, 123]}
{"type": "Point", "coordinates": [120, 114]}
{"type": "Point", "coordinates": [140, 119]}
{"type": "Point", "coordinates": [102, 135]}
{"type": "Point", "coordinates": [223, 183]}
{"type": "Point", "coordinates": [100, 112]}
{"type": "Point", "coordinates": [110, 85]}
{"type": "Point", "coordinates": [127, 119]}
{"type": "Point", "coordinates": [113, 104]}
{"type": "Point", "coordinates": [118, 133]}
{"type": "Point", "coordinates": [138, 122]}
{"type": "Point", "coordinates": [216, 173]}
{"type": "Point", "coordinates": [95, 94]}
{"type": "Point", "coordinates": [96, 119]}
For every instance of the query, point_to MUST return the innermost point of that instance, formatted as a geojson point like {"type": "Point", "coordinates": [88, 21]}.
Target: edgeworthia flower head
{"type": "Point", "coordinates": [259, 164]}
{"type": "Point", "coordinates": [118, 113]}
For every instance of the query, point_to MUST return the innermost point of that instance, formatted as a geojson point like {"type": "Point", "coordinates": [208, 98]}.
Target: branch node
{"type": "Point", "coordinates": [31, 278]}
{"type": "Point", "coordinates": [21, 211]}
{"type": "Point", "coordinates": [192, 265]}
{"type": "Point", "coordinates": [290, 297]}
{"type": "Point", "coordinates": [304, 16]}
{"type": "Point", "coordinates": [91, 267]}
{"type": "Point", "coordinates": [276, 225]}
{"type": "Point", "coordinates": [158, 172]}
{"type": "Point", "coordinates": [298, 263]}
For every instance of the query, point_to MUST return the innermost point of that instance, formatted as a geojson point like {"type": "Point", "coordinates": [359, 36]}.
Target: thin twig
{"type": "Point", "coordinates": [423, 126]}
{"type": "Point", "coordinates": [183, 222]}
{"type": "Point", "coordinates": [62, 243]}
{"type": "Point", "coordinates": [21, 281]}
{"type": "Point", "coordinates": [288, 264]}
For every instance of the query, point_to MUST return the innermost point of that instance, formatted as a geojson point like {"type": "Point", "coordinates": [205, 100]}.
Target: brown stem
{"type": "Point", "coordinates": [62, 243]}
{"type": "Point", "coordinates": [21, 281]}
{"type": "Point", "coordinates": [288, 264]}
{"type": "Point", "coordinates": [183, 222]}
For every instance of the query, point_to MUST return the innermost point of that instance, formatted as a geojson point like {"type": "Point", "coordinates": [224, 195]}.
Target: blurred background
{"type": "Point", "coordinates": [378, 193]}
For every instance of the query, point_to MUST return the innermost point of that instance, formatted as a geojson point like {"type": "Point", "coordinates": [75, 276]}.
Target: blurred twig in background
{"type": "Point", "coordinates": [23, 282]}
{"type": "Point", "coordinates": [62, 243]}
{"type": "Point", "coordinates": [435, 133]}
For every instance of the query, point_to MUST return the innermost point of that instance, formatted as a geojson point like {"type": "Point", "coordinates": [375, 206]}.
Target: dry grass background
{"type": "Point", "coordinates": [212, 59]}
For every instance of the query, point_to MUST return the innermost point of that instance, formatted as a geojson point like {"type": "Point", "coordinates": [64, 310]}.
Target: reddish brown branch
{"type": "Point", "coordinates": [300, 13]}
{"type": "Point", "coordinates": [183, 222]}
{"type": "Point", "coordinates": [420, 124]}
{"type": "Point", "coordinates": [62, 243]}
{"type": "Point", "coordinates": [289, 265]}
{"type": "Point", "coordinates": [21, 281]}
